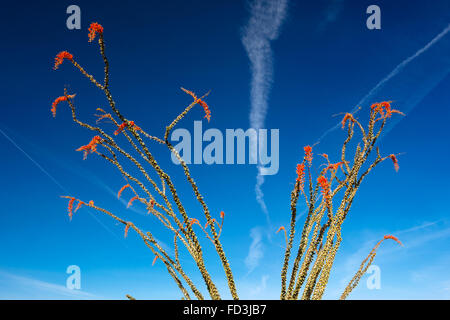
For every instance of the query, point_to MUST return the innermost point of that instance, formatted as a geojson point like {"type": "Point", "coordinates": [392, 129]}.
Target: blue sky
{"type": "Point", "coordinates": [325, 61]}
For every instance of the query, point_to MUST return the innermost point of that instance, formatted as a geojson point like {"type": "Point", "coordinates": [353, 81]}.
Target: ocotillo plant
{"type": "Point", "coordinates": [319, 242]}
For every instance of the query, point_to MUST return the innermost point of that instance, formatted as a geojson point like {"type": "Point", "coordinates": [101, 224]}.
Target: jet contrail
{"type": "Point", "coordinates": [263, 27]}
{"type": "Point", "coordinates": [415, 95]}
{"type": "Point", "coordinates": [55, 181]}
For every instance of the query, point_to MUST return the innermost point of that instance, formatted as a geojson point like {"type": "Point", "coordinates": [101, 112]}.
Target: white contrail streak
{"type": "Point", "coordinates": [54, 180]}
{"type": "Point", "coordinates": [263, 27]}
{"type": "Point", "coordinates": [393, 73]}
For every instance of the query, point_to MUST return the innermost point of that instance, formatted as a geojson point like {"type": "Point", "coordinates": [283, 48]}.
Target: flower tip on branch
{"type": "Point", "coordinates": [131, 201]}
{"type": "Point", "coordinates": [393, 238]}
{"type": "Point", "coordinates": [59, 59]}
{"type": "Point", "coordinates": [395, 161]}
{"type": "Point", "coordinates": [222, 214]}
{"type": "Point", "coordinates": [59, 100]}
{"type": "Point", "coordinates": [281, 228]}
{"type": "Point", "coordinates": [325, 186]}
{"type": "Point", "coordinates": [189, 92]}
{"type": "Point", "coordinates": [94, 28]}
{"type": "Point", "coordinates": [193, 220]}
{"type": "Point", "coordinates": [124, 125]}
{"type": "Point", "coordinates": [70, 207]}
{"type": "Point", "coordinates": [154, 260]}
{"type": "Point", "coordinates": [384, 109]}
{"type": "Point", "coordinates": [347, 117]}
{"type": "Point", "coordinates": [121, 190]}
{"type": "Point", "coordinates": [91, 147]}
{"type": "Point", "coordinates": [301, 175]}
{"type": "Point", "coordinates": [80, 203]}
{"type": "Point", "coordinates": [206, 109]}
{"type": "Point", "coordinates": [127, 227]}
{"type": "Point", "coordinates": [308, 154]}
{"type": "Point", "coordinates": [200, 102]}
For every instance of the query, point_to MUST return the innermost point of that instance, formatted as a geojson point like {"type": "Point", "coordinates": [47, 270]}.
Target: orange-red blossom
{"type": "Point", "coordinates": [90, 147]}
{"type": "Point", "coordinates": [127, 227]}
{"type": "Point", "coordinates": [384, 109]}
{"type": "Point", "coordinates": [70, 207]}
{"type": "Point", "coordinates": [301, 175]}
{"type": "Point", "coordinates": [200, 102]}
{"type": "Point", "coordinates": [395, 161]}
{"type": "Point", "coordinates": [334, 166]}
{"type": "Point", "coordinates": [193, 220]}
{"type": "Point", "coordinates": [59, 59]}
{"type": "Point", "coordinates": [347, 117]}
{"type": "Point", "coordinates": [122, 189]}
{"type": "Point", "coordinates": [131, 201]}
{"type": "Point", "coordinates": [131, 124]}
{"type": "Point", "coordinates": [281, 228]}
{"type": "Point", "coordinates": [94, 28]}
{"type": "Point", "coordinates": [59, 100]}
{"type": "Point", "coordinates": [308, 154]}
{"type": "Point", "coordinates": [325, 187]}
{"type": "Point", "coordinates": [388, 236]}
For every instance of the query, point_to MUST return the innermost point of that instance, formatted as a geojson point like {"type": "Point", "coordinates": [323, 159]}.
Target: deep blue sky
{"type": "Point", "coordinates": [325, 61]}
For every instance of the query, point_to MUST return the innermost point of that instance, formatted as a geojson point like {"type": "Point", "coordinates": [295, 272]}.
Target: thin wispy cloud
{"type": "Point", "coordinates": [255, 252]}
{"type": "Point", "coordinates": [53, 179]}
{"type": "Point", "coordinates": [259, 289]}
{"type": "Point", "coordinates": [411, 238]}
{"type": "Point", "coordinates": [39, 288]}
{"type": "Point", "coordinates": [420, 81]}
{"type": "Point", "coordinates": [266, 18]}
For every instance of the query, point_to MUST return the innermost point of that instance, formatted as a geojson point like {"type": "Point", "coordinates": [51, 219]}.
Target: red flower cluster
{"type": "Point", "coordinates": [70, 207]}
{"type": "Point", "coordinates": [131, 201]}
{"type": "Point", "coordinates": [127, 227]}
{"type": "Point", "coordinates": [200, 102]}
{"type": "Point", "coordinates": [281, 228]}
{"type": "Point", "coordinates": [347, 117]}
{"type": "Point", "coordinates": [392, 238]}
{"type": "Point", "coordinates": [308, 154]}
{"type": "Point", "coordinates": [122, 189]}
{"type": "Point", "coordinates": [384, 109]}
{"type": "Point", "coordinates": [193, 220]}
{"type": "Point", "coordinates": [325, 186]}
{"type": "Point", "coordinates": [301, 175]}
{"type": "Point", "coordinates": [94, 28]}
{"type": "Point", "coordinates": [90, 147]}
{"type": "Point", "coordinates": [80, 203]}
{"type": "Point", "coordinates": [58, 100]}
{"type": "Point", "coordinates": [395, 161]}
{"type": "Point", "coordinates": [59, 59]}
{"type": "Point", "coordinates": [334, 166]}
{"type": "Point", "coordinates": [205, 108]}
{"type": "Point", "coordinates": [124, 125]}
